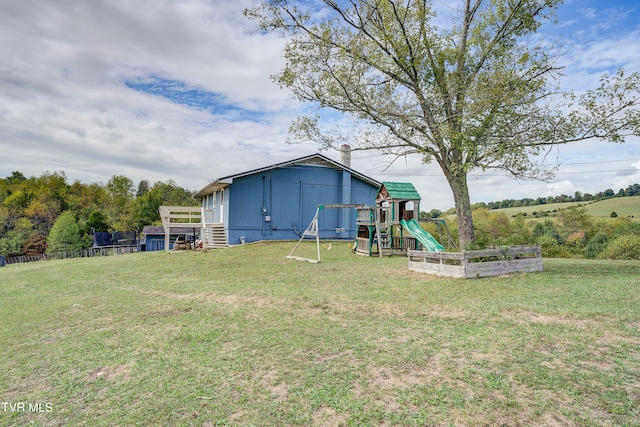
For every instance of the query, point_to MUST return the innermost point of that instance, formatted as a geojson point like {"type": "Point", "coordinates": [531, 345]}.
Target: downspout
{"type": "Point", "coordinates": [264, 208]}
{"type": "Point", "coordinates": [270, 205]}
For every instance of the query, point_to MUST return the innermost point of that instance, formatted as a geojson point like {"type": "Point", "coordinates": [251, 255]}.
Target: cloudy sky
{"type": "Point", "coordinates": [180, 89]}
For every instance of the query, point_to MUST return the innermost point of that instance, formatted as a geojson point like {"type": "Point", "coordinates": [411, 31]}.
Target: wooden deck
{"type": "Point", "coordinates": [213, 235]}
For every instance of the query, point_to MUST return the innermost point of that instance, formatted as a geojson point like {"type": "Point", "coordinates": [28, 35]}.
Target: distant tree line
{"type": "Point", "coordinates": [47, 213]}
{"type": "Point", "coordinates": [631, 190]}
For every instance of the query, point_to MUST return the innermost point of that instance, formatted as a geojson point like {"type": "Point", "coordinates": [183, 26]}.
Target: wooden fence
{"type": "Point", "coordinates": [84, 253]}
{"type": "Point", "coordinates": [472, 264]}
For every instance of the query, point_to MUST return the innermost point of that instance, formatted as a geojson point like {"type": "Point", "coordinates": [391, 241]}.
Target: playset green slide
{"type": "Point", "coordinates": [427, 241]}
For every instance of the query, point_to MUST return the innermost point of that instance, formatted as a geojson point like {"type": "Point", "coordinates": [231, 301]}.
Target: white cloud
{"type": "Point", "coordinates": [64, 104]}
{"type": "Point", "coordinates": [562, 187]}
{"type": "Point", "coordinates": [627, 177]}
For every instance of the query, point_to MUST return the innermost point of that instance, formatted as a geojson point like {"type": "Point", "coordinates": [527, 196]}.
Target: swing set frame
{"type": "Point", "coordinates": [314, 231]}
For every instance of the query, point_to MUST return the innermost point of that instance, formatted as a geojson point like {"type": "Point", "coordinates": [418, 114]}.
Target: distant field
{"type": "Point", "coordinates": [623, 206]}
{"type": "Point", "coordinates": [244, 336]}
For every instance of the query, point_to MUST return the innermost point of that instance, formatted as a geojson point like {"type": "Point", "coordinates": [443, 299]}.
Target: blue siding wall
{"type": "Point", "coordinates": [216, 202]}
{"type": "Point", "coordinates": [280, 203]}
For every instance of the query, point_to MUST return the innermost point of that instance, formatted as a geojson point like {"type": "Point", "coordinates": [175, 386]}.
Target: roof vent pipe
{"type": "Point", "coordinates": [345, 155]}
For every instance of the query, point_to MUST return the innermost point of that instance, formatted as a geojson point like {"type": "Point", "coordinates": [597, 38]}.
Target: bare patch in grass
{"type": "Point", "coordinates": [448, 313]}
{"type": "Point", "coordinates": [328, 417]}
{"type": "Point", "coordinates": [393, 310]}
{"type": "Point", "coordinates": [526, 317]}
{"type": "Point", "coordinates": [633, 326]}
{"type": "Point", "coordinates": [237, 416]}
{"type": "Point", "coordinates": [380, 378]}
{"type": "Point", "coordinates": [213, 297]}
{"type": "Point", "coordinates": [172, 312]}
{"type": "Point", "coordinates": [110, 372]}
{"type": "Point", "coordinates": [269, 381]}
{"type": "Point", "coordinates": [412, 275]}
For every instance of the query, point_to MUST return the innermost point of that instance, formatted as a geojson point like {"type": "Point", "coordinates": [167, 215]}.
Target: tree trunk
{"type": "Point", "coordinates": [460, 189]}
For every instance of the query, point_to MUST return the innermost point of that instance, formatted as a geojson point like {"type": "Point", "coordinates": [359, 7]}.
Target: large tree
{"type": "Point", "coordinates": [65, 234]}
{"type": "Point", "coordinates": [162, 193]}
{"type": "Point", "coordinates": [480, 94]}
{"type": "Point", "coordinates": [120, 204]}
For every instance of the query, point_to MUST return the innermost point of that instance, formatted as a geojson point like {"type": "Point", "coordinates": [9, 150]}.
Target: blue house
{"type": "Point", "coordinates": [278, 202]}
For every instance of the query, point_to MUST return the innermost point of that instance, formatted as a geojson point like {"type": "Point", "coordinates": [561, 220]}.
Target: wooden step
{"type": "Point", "coordinates": [214, 236]}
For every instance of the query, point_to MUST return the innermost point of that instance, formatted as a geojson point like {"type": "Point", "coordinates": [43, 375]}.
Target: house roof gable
{"type": "Point", "coordinates": [313, 159]}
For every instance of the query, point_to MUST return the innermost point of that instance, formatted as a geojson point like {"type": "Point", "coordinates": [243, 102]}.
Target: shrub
{"type": "Point", "coordinates": [10, 243]}
{"type": "Point", "coordinates": [551, 248]}
{"type": "Point", "coordinates": [596, 245]}
{"type": "Point", "coordinates": [623, 247]}
{"type": "Point", "coordinates": [626, 226]}
{"type": "Point", "coordinates": [520, 233]}
{"type": "Point", "coordinates": [614, 214]}
{"type": "Point", "coordinates": [576, 242]}
{"type": "Point", "coordinates": [547, 229]}
{"type": "Point", "coordinates": [574, 219]}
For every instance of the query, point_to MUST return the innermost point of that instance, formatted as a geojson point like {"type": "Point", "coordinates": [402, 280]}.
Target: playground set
{"type": "Point", "coordinates": [389, 228]}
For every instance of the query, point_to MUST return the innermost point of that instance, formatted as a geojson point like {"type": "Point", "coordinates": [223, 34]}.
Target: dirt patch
{"type": "Point", "coordinates": [412, 275]}
{"type": "Point", "coordinates": [549, 319]}
{"type": "Point", "coordinates": [384, 379]}
{"type": "Point", "coordinates": [269, 381]}
{"type": "Point", "coordinates": [633, 326]}
{"type": "Point", "coordinates": [110, 372]}
{"type": "Point", "coordinates": [330, 357]}
{"type": "Point", "coordinates": [235, 418]}
{"type": "Point", "coordinates": [328, 417]}
{"type": "Point", "coordinates": [174, 312]}
{"type": "Point", "coordinates": [213, 297]}
{"type": "Point", "coordinates": [448, 313]}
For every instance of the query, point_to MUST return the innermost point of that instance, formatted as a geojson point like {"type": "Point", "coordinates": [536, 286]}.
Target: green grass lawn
{"type": "Point", "coordinates": [244, 336]}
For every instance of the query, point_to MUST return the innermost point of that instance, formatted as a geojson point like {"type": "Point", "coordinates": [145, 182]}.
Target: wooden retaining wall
{"type": "Point", "coordinates": [473, 264]}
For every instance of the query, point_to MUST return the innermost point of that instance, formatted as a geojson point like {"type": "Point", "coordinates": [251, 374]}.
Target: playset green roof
{"type": "Point", "coordinates": [398, 191]}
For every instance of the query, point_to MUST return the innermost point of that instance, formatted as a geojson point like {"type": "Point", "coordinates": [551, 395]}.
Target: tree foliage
{"type": "Point", "coordinates": [120, 202]}
{"type": "Point", "coordinates": [97, 222]}
{"type": "Point", "coordinates": [623, 247]}
{"type": "Point", "coordinates": [65, 234]}
{"type": "Point", "coordinates": [481, 94]}
{"type": "Point", "coordinates": [29, 208]}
